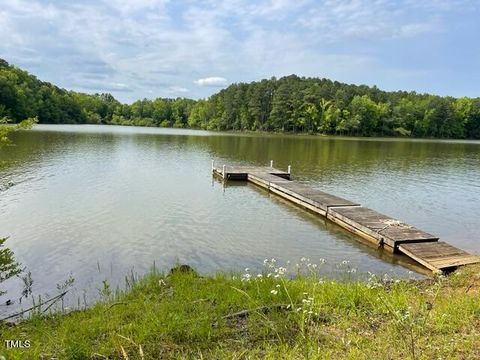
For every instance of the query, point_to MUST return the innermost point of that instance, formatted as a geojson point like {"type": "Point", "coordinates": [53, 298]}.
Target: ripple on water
{"type": "Point", "coordinates": [114, 199]}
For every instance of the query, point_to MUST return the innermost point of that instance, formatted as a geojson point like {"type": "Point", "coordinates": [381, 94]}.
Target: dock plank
{"type": "Point", "coordinates": [269, 177]}
{"type": "Point", "coordinates": [295, 200]}
{"type": "Point", "coordinates": [241, 172]}
{"type": "Point", "coordinates": [382, 227]}
{"type": "Point", "coordinates": [438, 255]}
{"type": "Point", "coordinates": [312, 196]}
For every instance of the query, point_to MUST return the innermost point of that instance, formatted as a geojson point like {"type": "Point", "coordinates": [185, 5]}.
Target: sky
{"type": "Point", "coordinates": [159, 48]}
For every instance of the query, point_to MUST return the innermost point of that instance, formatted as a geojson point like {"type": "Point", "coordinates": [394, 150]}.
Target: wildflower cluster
{"type": "Point", "coordinates": [307, 305]}
{"type": "Point", "coordinates": [307, 266]}
{"type": "Point", "coordinates": [247, 276]}
{"type": "Point", "coordinates": [275, 290]}
{"type": "Point", "coordinates": [345, 266]}
{"type": "Point", "coordinates": [273, 271]}
{"type": "Point", "coordinates": [373, 282]}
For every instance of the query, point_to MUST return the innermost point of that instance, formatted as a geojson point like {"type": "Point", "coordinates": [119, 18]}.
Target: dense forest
{"type": "Point", "coordinates": [24, 96]}
{"type": "Point", "coordinates": [288, 104]}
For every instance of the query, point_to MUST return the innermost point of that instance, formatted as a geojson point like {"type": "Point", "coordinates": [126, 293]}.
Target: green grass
{"type": "Point", "coordinates": [183, 316]}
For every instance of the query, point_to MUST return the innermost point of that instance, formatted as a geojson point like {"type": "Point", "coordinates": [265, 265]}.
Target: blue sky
{"type": "Point", "coordinates": [152, 48]}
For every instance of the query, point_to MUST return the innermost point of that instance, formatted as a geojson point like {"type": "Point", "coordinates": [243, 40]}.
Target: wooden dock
{"type": "Point", "coordinates": [381, 230]}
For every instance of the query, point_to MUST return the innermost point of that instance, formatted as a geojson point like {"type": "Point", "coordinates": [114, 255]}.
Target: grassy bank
{"type": "Point", "coordinates": [183, 315]}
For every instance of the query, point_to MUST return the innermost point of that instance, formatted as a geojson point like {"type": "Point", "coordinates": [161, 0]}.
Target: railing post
{"type": "Point", "coordinates": [213, 165]}
{"type": "Point", "coordinates": [223, 171]}
{"type": "Point", "coordinates": [289, 169]}
{"type": "Point", "coordinates": [271, 163]}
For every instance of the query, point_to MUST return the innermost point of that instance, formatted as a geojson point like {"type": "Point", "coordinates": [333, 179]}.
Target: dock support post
{"type": "Point", "coordinates": [289, 169]}
{"type": "Point", "coordinates": [223, 171]}
{"type": "Point", "coordinates": [271, 163]}
{"type": "Point", "coordinates": [213, 165]}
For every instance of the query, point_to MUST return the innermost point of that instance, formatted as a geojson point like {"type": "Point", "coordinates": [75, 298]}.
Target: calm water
{"type": "Point", "coordinates": [98, 201]}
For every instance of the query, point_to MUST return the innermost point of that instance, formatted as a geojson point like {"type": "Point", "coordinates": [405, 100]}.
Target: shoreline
{"type": "Point", "coordinates": [252, 315]}
{"type": "Point", "coordinates": [287, 134]}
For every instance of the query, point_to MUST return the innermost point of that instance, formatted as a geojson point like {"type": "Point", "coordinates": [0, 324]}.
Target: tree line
{"type": "Point", "coordinates": [289, 104]}
{"type": "Point", "coordinates": [297, 104]}
{"type": "Point", "coordinates": [23, 96]}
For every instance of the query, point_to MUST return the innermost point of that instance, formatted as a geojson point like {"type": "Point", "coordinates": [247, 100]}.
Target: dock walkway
{"type": "Point", "coordinates": [381, 230]}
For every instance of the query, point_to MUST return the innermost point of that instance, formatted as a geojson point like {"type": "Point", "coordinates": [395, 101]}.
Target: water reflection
{"type": "Point", "coordinates": [98, 201]}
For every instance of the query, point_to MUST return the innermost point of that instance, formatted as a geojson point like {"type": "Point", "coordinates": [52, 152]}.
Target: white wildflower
{"type": "Point", "coordinates": [246, 277]}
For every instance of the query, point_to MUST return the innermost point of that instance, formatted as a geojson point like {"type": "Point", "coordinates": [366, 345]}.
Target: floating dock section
{"type": "Point", "coordinates": [381, 230]}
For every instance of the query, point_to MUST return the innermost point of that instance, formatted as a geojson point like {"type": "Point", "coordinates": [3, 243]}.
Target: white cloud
{"type": "Point", "coordinates": [127, 6]}
{"type": "Point", "coordinates": [415, 29]}
{"type": "Point", "coordinates": [159, 47]}
{"type": "Point", "coordinates": [178, 90]}
{"type": "Point", "coordinates": [371, 20]}
{"type": "Point", "coordinates": [214, 81]}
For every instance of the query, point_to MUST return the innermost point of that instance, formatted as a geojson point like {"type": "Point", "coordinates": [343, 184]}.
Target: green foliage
{"type": "Point", "coordinates": [6, 128]}
{"type": "Point", "coordinates": [288, 104]}
{"type": "Point", "coordinates": [8, 266]}
{"type": "Point", "coordinates": [295, 104]}
{"type": "Point", "coordinates": [265, 315]}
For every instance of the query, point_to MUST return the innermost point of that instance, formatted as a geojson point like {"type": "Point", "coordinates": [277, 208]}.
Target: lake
{"type": "Point", "coordinates": [96, 202]}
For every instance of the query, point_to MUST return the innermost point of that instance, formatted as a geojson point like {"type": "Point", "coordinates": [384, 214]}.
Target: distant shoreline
{"type": "Point", "coordinates": [277, 133]}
